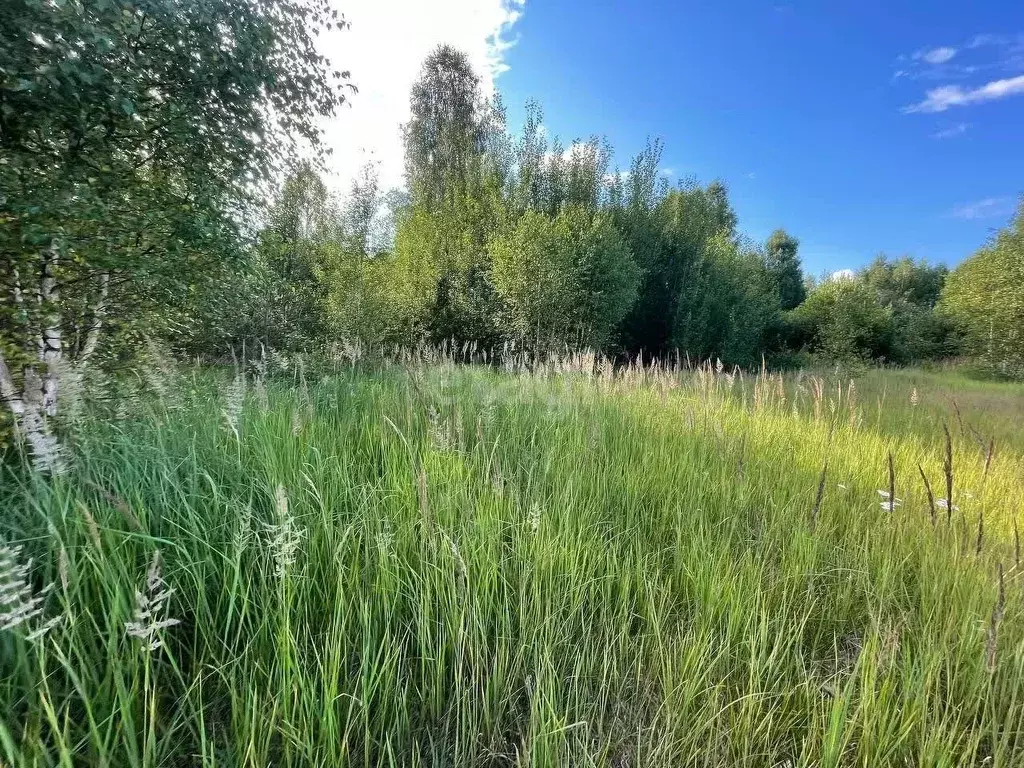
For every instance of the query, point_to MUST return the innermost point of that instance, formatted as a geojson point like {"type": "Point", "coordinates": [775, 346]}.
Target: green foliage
{"type": "Point", "coordinates": [414, 273]}
{"type": "Point", "coordinates": [564, 280]}
{"type": "Point", "coordinates": [843, 320]}
{"type": "Point", "coordinates": [534, 274]}
{"type": "Point", "coordinates": [784, 264]}
{"type": "Point", "coordinates": [886, 312]}
{"type": "Point", "coordinates": [296, 249]}
{"type": "Point", "coordinates": [444, 138]}
{"type": "Point", "coordinates": [911, 289]}
{"type": "Point", "coordinates": [136, 138]}
{"type": "Point", "coordinates": [685, 241]}
{"type": "Point", "coordinates": [275, 293]}
{"type": "Point", "coordinates": [727, 306]}
{"type": "Point", "coordinates": [905, 281]}
{"type": "Point", "coordinates": [522, 238]}
{"type": "Point", "coordinates": [984, 298]}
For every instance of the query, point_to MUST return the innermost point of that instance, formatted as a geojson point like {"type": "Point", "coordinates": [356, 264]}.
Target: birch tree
{"type": "Point", "coordinates": [984, 297]}
{"type": "Point", "coordinates": [135, 137]}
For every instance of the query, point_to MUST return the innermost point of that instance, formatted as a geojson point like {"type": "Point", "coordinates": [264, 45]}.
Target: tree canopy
{"type": "Point", "coordinates": [984, 297]}
{"type": "Point", "coordinates": [137, 140]}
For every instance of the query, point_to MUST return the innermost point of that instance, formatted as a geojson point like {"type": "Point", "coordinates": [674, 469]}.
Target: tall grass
{"type": "Point", "coordinates": [445, 565]}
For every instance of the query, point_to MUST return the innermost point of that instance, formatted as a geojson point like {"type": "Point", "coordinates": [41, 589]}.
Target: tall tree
{"type": "Point", "coordinates": [456, 203]}
{"type": "Point", "coordinates": [783, 263]}
{"type": "Point", "coordinates": [135, 135]}
{"type": "Point", "coordinates": [297, 248]}
{"type": "Point", "coordinates": [445, 136]}
{"type": "Point", "coordinates": [675, 243]}
{"type": "Point", "coordinates": [842, 319]}
{"type": "Point", "coordinates": [911, 289]}
{"type": "Point", "coordinates": [983, 297]}
{"type": "Point", "coordinates": [567, 279]}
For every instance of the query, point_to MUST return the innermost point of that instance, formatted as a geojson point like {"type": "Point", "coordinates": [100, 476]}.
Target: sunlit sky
{"type": "Point", "coordinates": [860, 127]}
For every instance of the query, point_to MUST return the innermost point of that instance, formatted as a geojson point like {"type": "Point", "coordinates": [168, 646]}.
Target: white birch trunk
{"type": "Point", "coordinates": [35, 400]}
{"type": "Point", "coordinates": [51, 348]}
{"type": "Point", "coordinates": [29, 423]}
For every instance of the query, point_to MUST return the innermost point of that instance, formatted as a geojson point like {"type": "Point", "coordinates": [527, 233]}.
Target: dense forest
{"type": "Point", "coordinates": [162, 181]}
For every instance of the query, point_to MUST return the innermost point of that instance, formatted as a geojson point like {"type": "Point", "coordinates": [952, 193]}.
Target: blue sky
{"type": "Point", "coordinates": [816, 114]}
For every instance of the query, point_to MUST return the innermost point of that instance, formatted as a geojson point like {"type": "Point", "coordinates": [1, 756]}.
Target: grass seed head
{"type": "Point", "coordinates": [150, 617]}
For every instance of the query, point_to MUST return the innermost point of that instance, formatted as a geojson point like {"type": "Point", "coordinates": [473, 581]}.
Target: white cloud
{"type": "Point", "coordinates": [936, 55]}
{"type": "Point", "coordinates": [990, 207]}
{"type": "Point", "coordinates": [941, 99]}
{"type": "Point", "coordinates": [842, 274]}
{"type": "Point", "coordinates": [980, 41]}
{"type": "Point", "coordinates": [953, 131]}
{"type": "Point", "coordinates": [383, 49]}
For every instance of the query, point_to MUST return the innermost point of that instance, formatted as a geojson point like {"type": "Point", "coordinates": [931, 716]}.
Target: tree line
{"type": "Point", "coordinates": [502, 237]}
{"type": "Point", "coordinates": [141, 196]}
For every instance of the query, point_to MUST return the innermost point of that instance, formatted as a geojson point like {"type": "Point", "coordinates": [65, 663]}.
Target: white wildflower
{"type": "Point", "coordinates": [150, 607]}
{"type": "Point", "coordinates": [913, 397]}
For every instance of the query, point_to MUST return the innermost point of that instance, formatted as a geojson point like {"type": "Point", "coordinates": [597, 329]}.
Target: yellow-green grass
{"type": "Point", "coordinates": [454, 566]}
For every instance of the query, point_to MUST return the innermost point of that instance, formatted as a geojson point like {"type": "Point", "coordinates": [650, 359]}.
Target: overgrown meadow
{"type": "Point", "coordinates": [425, 563]}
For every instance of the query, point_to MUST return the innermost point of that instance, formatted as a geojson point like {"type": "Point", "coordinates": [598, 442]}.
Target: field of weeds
{"type": "Point", "coordinates": [436, 564]}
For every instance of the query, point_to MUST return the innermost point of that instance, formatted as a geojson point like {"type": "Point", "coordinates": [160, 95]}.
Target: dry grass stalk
{"type": "Point", "coordinates": [959, 418]}
{"type": "Point", "coordinates": [63, 568]}
{"type": "Point", "coordinates": [947, 468]}
{"type": "Point", "coordinates": [286, 535]}
{"type": "Point", "coordinates": [892, 485]}
{"type": "Point", "coordinates": [928, 489]}
{"type": "Point", "coordinates": [120, 505]}
{"type": "Point", "coordinates": [992, 638]}
{"type": "Point", "coordinates": [91, 526]}
{"type": "Point", "coordinates": [1016, 543]}
{"type": "Point", "coordinates": [423, 496]}
{"type": "Point", "coordinates": [820, 495]}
